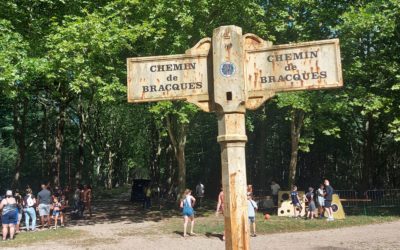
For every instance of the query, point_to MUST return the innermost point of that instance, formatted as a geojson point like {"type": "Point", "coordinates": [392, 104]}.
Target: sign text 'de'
{"type": "Point", "coordinates": [166, 78]}
{"type": "Point", "coordinates": [310, 65]}
{"type": "Point", "coordinates": [173, 77]}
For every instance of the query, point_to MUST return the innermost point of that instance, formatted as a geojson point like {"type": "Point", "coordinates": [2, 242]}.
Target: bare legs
{"type": "Point", "coordinates": [330, 213]}
{"type": "Point", "coordinates": [12, 231]}
{"type": "Point", "coordinates": [42, 220]}
{"type": "Point", "coordinates": [62, 219]}
{"type": "Point", "coordinates": [254, 228]}
{"type": "Point", "coordinates": [55, 217]}
{"type": "Point", "coordinates": [5, 231]}
{"type": "Point", "coordinates": [186, 220]}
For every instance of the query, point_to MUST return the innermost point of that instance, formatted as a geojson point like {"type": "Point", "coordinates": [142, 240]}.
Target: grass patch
{"type": "Point", "coordinates": [28, 238]}
{"type": "Point", "coordinates": [212, 224]}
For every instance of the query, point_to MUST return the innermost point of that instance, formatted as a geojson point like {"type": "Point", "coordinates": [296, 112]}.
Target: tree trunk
{"type": "Point", "coordinates": [19, 123]}
{"type": "Point", "coordinates": [180, 157]}
{"type": "Point", "coordinates": [177, 135]}
{"type": "Point", "coordinates": [110, 168]}
{"type": "Point", "coordinates": [296, 123]}
{"type": "Point", "coordinates": [81, 152]}
{"type": "Point", "coordinates": [45, 143]}
{"type": "Point", "coordinates": [155, 154]}
{"type": "Point", "coordinates": [59, 140]}
{"type": "Point", "coordinates": [260, 143]}
{"type": "Point", "coordinates": [368, 151]}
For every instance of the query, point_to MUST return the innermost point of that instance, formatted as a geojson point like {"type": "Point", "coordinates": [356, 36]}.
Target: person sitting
{"type": "Point", "coordinates": [9, 215]}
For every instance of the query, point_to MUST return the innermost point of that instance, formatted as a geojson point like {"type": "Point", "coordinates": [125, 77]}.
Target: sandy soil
{"type": "Point", "coordinates": [125, 227]}
{"type": "Point", "coordinates": [381, 236]}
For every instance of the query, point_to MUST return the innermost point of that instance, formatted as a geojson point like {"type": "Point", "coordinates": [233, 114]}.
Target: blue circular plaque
{"type": "Point", "coordinates": [227, 69]}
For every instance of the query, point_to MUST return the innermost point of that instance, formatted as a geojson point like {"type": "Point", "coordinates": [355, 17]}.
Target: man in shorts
{"type": "Point", "coordinates": [296, 202]}
{"type": "Point", "coordinates": [328, 200]}
{"type": "Point", "coordinates": [44, 201]}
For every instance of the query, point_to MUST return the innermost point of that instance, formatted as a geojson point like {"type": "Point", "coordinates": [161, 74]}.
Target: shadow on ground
{"type": "Point", "coordinates": [120, 209]}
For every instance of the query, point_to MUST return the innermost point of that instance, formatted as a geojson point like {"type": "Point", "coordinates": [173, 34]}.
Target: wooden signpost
{"type": "Point", "coordinates": [227, 75]}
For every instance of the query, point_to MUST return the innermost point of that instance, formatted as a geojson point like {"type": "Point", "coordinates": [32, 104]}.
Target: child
{"type": "Point", "coordinates": [296, 201]}
{"type": "Point", "coordinates": [311, 203]}
{"type": "Point", "coordinates": [252, 206]}
{"type": "Point", "coordinates": [321, 200]}
{"type": "Point", "coordinates": [187, 204]}
{"type": "Point", "coordinates": [56, 211]}
{"type": "Point", "coordinates": [64, 205]}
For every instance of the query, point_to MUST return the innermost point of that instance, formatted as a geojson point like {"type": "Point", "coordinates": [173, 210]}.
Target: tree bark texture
{"type": "Point", "coordinates": [59, 141]}
{"type": "Point", "coordinates": [19, 124]}
{"type": "Point", "coordinates": [296, 123]}
{"type": "Point", "coordinates": [368, 153]}
{"type": "Point", "coordinates": [82, 135]}
{"type": "Point", "coordinates": [177, 133]}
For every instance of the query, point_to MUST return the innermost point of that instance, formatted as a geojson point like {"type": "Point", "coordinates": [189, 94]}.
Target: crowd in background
{"type": "Point", "coordinates": [50, 205]}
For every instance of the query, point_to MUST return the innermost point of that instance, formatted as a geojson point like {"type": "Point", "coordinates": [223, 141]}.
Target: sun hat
{"type": "Point", "coordinates": [9, 193]}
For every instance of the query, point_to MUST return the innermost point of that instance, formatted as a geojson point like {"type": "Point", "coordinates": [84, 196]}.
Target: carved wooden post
{"type": "Point", "coordinates": [229, 97]}
{"type": "Point", "coordinates": [247, 71]}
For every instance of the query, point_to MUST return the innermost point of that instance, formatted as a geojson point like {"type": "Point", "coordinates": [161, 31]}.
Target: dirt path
{"type": "Point", "coordinates": [118, 225]}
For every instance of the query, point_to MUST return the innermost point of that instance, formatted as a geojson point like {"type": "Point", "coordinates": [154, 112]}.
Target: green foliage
{"type": "Point", "coordinates": [12, 54]}
{"type": "Point", "coordinates": [73, 53]}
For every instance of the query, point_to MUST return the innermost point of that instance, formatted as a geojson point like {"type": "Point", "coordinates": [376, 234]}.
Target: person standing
{"type": "Point", "coordinates": [187, 204]}
{"type": "Point", "coordinates": [220, 207]}
{"type": "Point", "coordinates": [30, 213]}
{"type": "Point", "coordinates": [296, 202]}
{"type": "Point", "coordinates": [252, 207]}
{"type": "Point", "coordinates": [328, 200]}
{"type": "Point", "coordinates": [44, 201]}
{"type": "Point", "coordinates": [20, 207]}
{"type": "Point", "coordinates": [147, 197]}
{"type": "Point", "coordinates": [78, 205]}
{"type": "Point", "coordinates": [64, 205]}
{"type": "Point", "coordinates": [56, 211]}
{"type": "Point", "coordinates": [200, 192]}
{"type": "Point", "coordinates": [311, 203]}
{"type": "Point", "coordinates": [87, 198]}
{"type": "Point", "coordinates": [321, 200]}
{"type": "Point", "coordinates": [275, 190]}
{"type": "Point", "coordinates": [9, 215]}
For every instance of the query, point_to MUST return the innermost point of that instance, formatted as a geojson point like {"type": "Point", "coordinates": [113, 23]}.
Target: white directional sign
{"type": "Point", "coordinates": [174, 77]}
{"type": "Point", "coordinates": [300, 66]}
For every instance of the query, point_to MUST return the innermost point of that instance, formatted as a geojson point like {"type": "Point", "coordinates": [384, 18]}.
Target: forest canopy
{"type": "Point", "coordinates": [65, 118]}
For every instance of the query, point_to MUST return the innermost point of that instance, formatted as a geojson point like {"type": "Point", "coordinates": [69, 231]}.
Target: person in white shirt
{"type": "Point", "coordinates": [200, 192]}
{"type": "Point", "coordinates": [252, 207]}
{"type": "Point", "coordinates": [275, 189]}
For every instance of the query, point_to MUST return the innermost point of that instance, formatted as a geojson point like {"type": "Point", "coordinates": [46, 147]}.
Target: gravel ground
{"type": "Point", "coordinates": [116, 225]}
{"type": "Point", "coordinates": [109, 236]}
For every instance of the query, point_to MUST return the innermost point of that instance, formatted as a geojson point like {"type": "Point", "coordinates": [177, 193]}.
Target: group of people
{"type": "Point", "coordinates": [323, 200]}
{"type": "Point", "coordinates": [50, 204]}
{"type": "Point", "coordinates": [188, 201]}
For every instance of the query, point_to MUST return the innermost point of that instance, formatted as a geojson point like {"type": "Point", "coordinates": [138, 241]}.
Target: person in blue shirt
{"type": "Point", "coordinates": [296, 202]}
